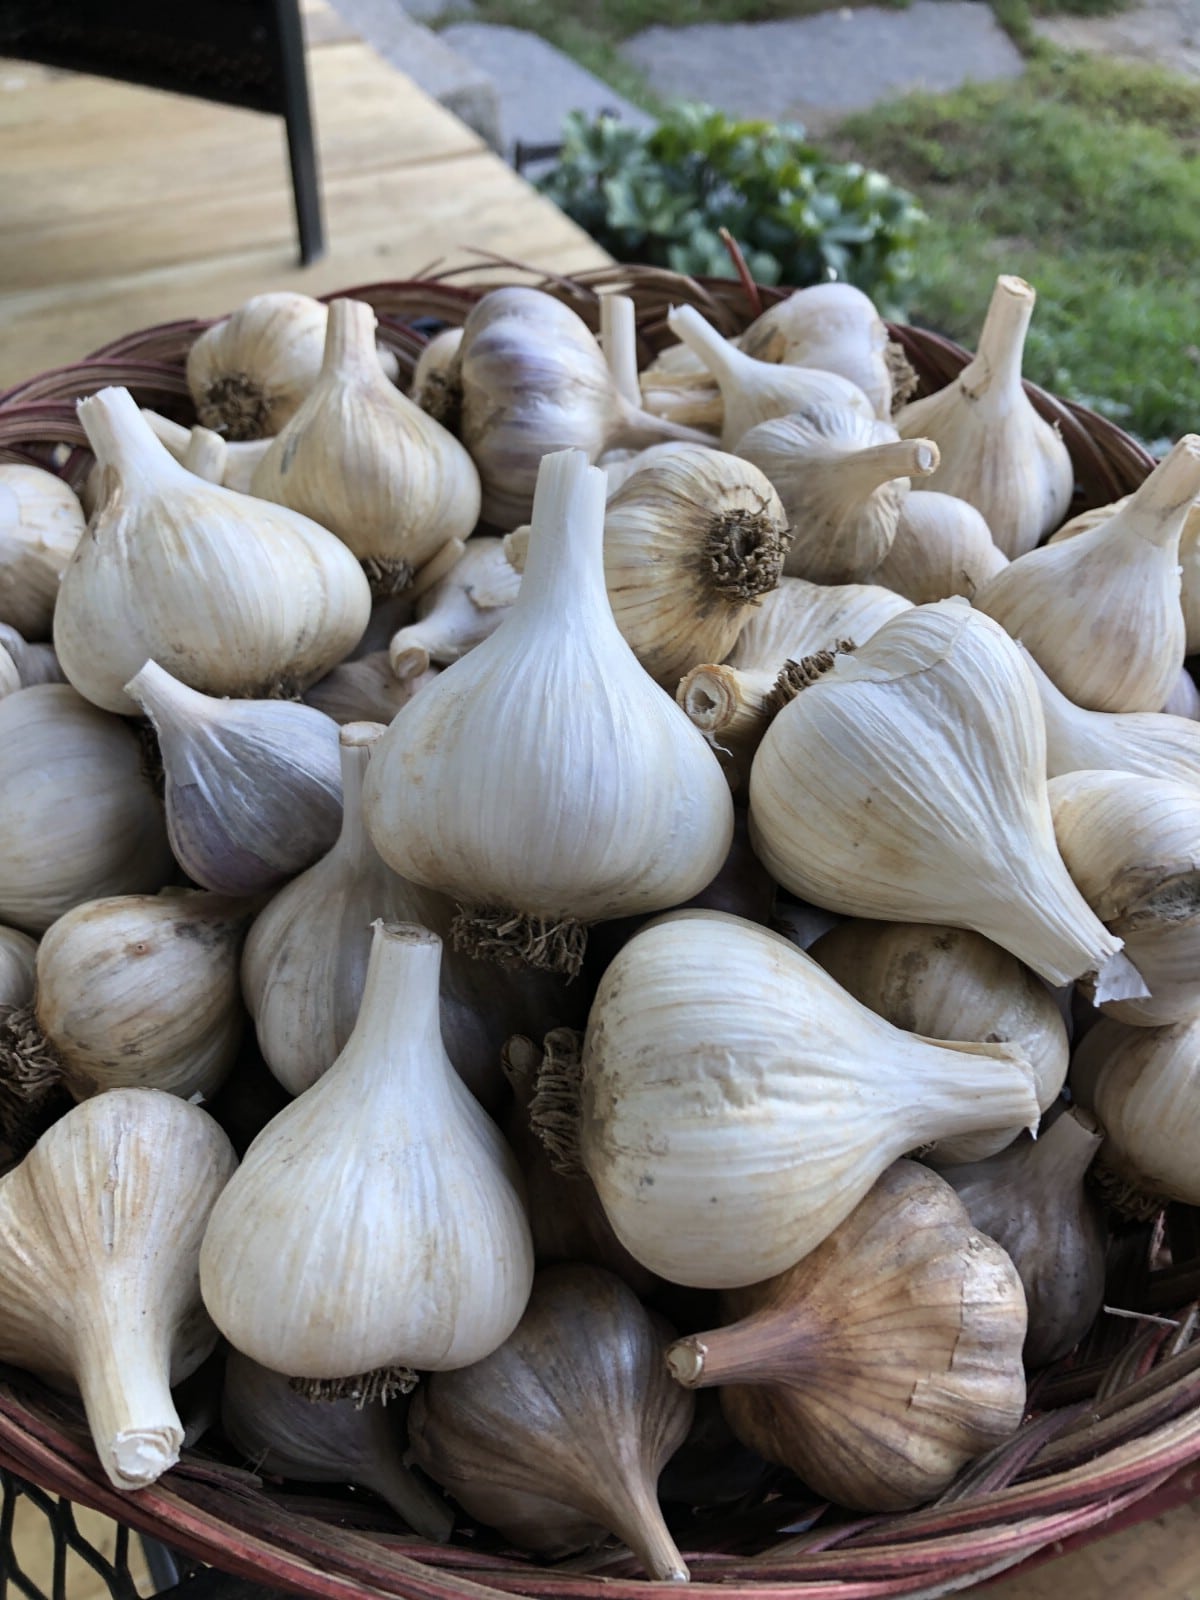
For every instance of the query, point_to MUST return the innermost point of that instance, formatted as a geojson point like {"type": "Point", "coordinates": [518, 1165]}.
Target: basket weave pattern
{"type": "Point", "coordinates": [1115, 1424]}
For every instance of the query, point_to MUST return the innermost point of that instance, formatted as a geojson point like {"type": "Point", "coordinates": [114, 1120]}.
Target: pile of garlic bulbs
{"type": "Point", "coordinates": [620, 858]}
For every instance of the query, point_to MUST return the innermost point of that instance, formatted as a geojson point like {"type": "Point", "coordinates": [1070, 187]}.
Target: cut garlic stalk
{"type": "Point", "coordinates": [459, 611]}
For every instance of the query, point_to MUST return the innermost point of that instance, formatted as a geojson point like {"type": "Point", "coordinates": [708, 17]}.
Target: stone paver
{"type": "Point", "coordinates": [817, 69]}
{"type": "Point", "coordinates": [1165, 32]}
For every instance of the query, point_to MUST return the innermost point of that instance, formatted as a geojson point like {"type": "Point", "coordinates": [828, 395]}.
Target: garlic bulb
{"type": "Point", "coordinates": [10, 677]}
{"type": "Point", "coordinates": [533, 381]}
{"type": "Point", "coordinates": [41, 522]}
{"type": "Point", "coordinates": [908, 783]}
{"type": "Point", "coordinates": [337, 1441]}
{"type": "Point", "coordinates": [946, 983]}
{"type": "Point", "coordinates": [942, 547]}
{"type": "Point", "coordinates": [613, 804]}
{"type": "Point", "coordinates": [458, 612]}
{"type": "Point", "coordinates": [377, 1221]}
{"type": "Point", "coordinates": [1032, 1200]}
{"type": "Point", "coordinates": [249, 373]}
{"type": "Point", "coordinates": [253, 787]}
{"type": "Point", "coordinates": [620, 465]}
{"type": "Point", "coordinates": [997, 453]}
{"type": "Point", "coordinates": [1132, 845]}
{"type": "Point", "coordinates": [433, 385]}
{"type": "Point", "coordinates": [78, 817]}
{"type": "Point", "coordinates": [134, 991]}
{"type": "Point", "coordinates": [833, 326]}
{"type": "Point", "coordinates": [1149, 743]}
{"type": "Point", "coordinates": [883, 1362]}
{"type": "Point", "coordinates": [1145, 1090]}
{"type": "Point", "coordinates": [230, 594]}
{"type": "Point", "coordinates": [738, 1103]}
{"type": "Point", "coordinates": [1184, 698]}
{"type": "Point", "coordinates": [18, 953]}
{"type": "Point", "coordinates": [365, 462]}
{"type": "Point", "coordinates": [842, 478]}
{"type": "Point", "coordinates": [755, 391]}
{"type": "Point", "coordinates": [366, 690]}
{"type": "Point", "coordinates": [1100, 613]}
{"type": "Point", "coordinates": [34, 663]}
{"type": "Point", "coordinates": [100, 1229]}
{"type": "Point", "coordinates": [560, 1435]}
{"type": "Point", "coordinates": [677, 384]}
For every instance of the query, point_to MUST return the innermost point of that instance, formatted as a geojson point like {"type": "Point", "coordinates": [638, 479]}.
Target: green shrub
{"type": "Point", "coordinates": [661, 195]}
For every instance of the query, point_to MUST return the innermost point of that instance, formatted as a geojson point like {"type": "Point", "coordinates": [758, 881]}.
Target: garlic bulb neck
{"type": "Point", "coordinates": [1158, 509]}
{"type": "Point", "coordinates": [995, 370]}
{"type": "Point", "coordinates": [124, 1383]}
{"type": "Point", "coordinates": [762, 1348]}
{"type": "Point", "coordinates": [206, 454]}
{"type": "Point", "coordinates": [726, 702]}
{"type": "Point", "coordinates": [121, 438]}
{"type": "Point", "coordinates": [350, 343]}
{"type": "Point", "coordinates": [564, 561]}
{"type": "Point", "coordinates": [859, 473]}
{"type": "Point", "coordinates": [401, 992]}
{"type": "Point", "coordinates": [1068, 1146]}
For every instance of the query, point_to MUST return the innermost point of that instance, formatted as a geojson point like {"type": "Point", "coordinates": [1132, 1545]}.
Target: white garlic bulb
{"type": "Point", "coordinates": [377, 1221]}
{"type": "Point", "coordinates": [998, 454]}
{"type": "Point", "coordinates": [457, 612]}
{"type": "Point", "coordinates": [18, 953]}
{"type": "Point", "coordinates": [843, 479]}
{"type": "Point", "coordinates": [41, 522]}
{"type": "Point", "coordinates": [613, 803]}
{"type": "Point", "coordinates": [366, 463]}
{"type": "Point", "coordinates": [1100, 613]}
{"type": "Point", "coordinates": [908, 783]}
{"type": "Point", "coordinates": [432, 386]}
{"type": "Point", "coordinates": [738, 1103]}
{"type": "Point", "coordinates": [34, 663]}
{"type": "Point", "coordinates": [253, 787]}
{"type": "Point", "coordinates": [833, 326]}
{"type": "Point", "coordinates": [365, 690]}
{"type": "Point", "coordinates": [942, 547]}
{"type": "Point", "coordinates": [78, 816]}
{"type": "Point", "coordinates": [10, 677]}
{"type": "Point", "coordinates": [232, 595]}
{"type": "Point", "coordinates": [1184, 698]}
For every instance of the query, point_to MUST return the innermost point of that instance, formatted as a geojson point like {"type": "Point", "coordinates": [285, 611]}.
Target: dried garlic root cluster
{"type": "Point", "coordinates": [609, 843]}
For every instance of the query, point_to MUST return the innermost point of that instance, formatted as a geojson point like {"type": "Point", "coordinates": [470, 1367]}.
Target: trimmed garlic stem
{"type": "Point", "coordinates": [155, 690]}
{"type": "Point", "coordinates": [411, 651]}
{"type": "Point", "coordinates": [350, 341]}
{"type": "Point", "coordinates": [726, 363]}
{"type": "Point", "coordinates": [726, 701]}
{"type": "Point", "coordinates": [996, 367]}
{"type": "Point", "coordinates": [206, 454]}
{"type": "Point", "coordinates": [1158, 508]}
{"type": "Point", "coordinates": [1070, 1143]}
{"type": "Point", "coordinates": [123, 1378]}
{"type": "Point", "coordinates": [861, 472]}
{"type": "Point", "coordinates": [354, 740]}
{"type": "Point", "coordinates": [564, 561]}
{"type": "Point", "coordinates": [618, 340]}
{"type": "Point", "coordinates": [759, 1349]}
{"type": "Point", "coordinates": [636, 1519]}
{"type": "Point", "coordinates": [120, 436]}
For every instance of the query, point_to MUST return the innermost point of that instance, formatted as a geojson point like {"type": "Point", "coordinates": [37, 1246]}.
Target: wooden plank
{"type": "Point", "coordinates": [1156, 1560]}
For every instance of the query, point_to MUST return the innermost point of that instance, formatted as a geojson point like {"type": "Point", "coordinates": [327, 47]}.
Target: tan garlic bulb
{"type": "Point", "coordinates": [1100, 613]}
{"type": "Point", "coordinates": [232, 595]}
{"type": "Point", "coordinates": [1145, 1091]}
{"type": "Point", "coordinates": [1132, 845]}
{"type": "Point", "coordinates": [366, 690]}
{"type": "Point", "coordinates": [614, 805]}
{"type": "Point", "coordinates": [134, 991]}
{"type": "Point", "coordinates": [78, 816]}
{"type": "Point", "coordinates": [34, 663]}
{"type": "Point", "coordinates": [755, 391]}
{"type": "Point", "coordinates": [253, 787]}
{"type": "Point", "coordinates": [842, 478]}
{"type": "Point", "coordinates": [833, 326]}
{"type": "Point", "coordinates": [18, 953]}
{"type": "Point", "coordinates": [100, 1230]}
{"type": "Point", "coordinates": [281, 1432]}
{"type": "Point", "coordinates": [377, 1222]}
{"type": "Point", "coordinates": [365, 462]}
{"type": "Point", "coordinates": [457, 612]}
{"type": "Point", "coordinates": [997, 453]}
{"type": "Point", "coordinates": [249, 373]}
{"type": "Point", "coordinates": [883, 1362]}
{"type": "Point", "coordinates": [1032, 1200]}
{"type": "Point", "coordinates": [908, 784]}
{"type": "Point", "coordinates": [432, 386]}
{"type": "Point", "coordinates": [948, 983]}
{"type": "Point", "coordinates": [559, 1436]}
{"type": "Point", "coordinates": [737, 1103]}
{"type": "Point", "coordinates": [942, 547]}
{"type": "Point", "coordinates": [41, 522]}
{"type": "Point", "coordinates": [1150, 743]}
{"type": "Point", "coordinates": [534, 381]}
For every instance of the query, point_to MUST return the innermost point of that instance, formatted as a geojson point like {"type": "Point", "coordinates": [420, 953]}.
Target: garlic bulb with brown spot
{"type": "Point", "coordinates": [433, 385]}
{"type": "Point", "coordinates": [232, 595]}
{"type": "Point", "coordinates": [253, 787]}
{"type": "Point", "coordinates": [458, 611]}
{"type": "Point", "coordinates": [843, 479]}
{"type": "Point", "coordinates": [942, 547]}
{"type": "Point", "coordinates": [998, 454]}
{"type": "Point", "coordinates": [364, 461]}
{"type": "Point", "coordinates": [78, 814]}
{"type": "Point", "coordinates": [41, 522]}
{"type": "Point", "coordinates": [948, 983]}
{"type": "Point", "coordinates": [1100, 613]}
{"type": "Point", "coordinates": [100, 1230]}
{"type": "Point", "coordinates": [883, 1362]}
{"type": "Point", "coordinates": [1032, 1200]}
{"type": "Point", "coordinates": [559, 1436]}
{"type": "Point", "coordinates": [833, 326]}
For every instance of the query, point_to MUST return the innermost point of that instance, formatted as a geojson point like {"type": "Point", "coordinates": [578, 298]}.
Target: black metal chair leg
{"type": "Point", "coordinates": [302, 150]}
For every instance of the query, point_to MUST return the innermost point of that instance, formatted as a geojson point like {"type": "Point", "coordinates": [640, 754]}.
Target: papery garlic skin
{"type": "Point", "coordinates": [942, 547]}
{"type": "Point", "coordinates": [884, 1361]}
{"type": "Point", "coordinates": [240, 459]}
{"type": "Point", "coordinates": [458, 612]}
{"type": "Point", "coordinates": [833, 326]}
{"type": "Point", "coordinates": [34, 663]}
{"type": "Point", "coordinates": [378, 1220]}
{"type": "Point", "coordinates": [1146, 1095]}
{"type": "Point", "coordinates": [997, 453]}
{"type": "Point", "coordinates": [18, 953]}
{"type": "Point", "coordinates": [1184, 698]}
{"type": "Point", "coordinates": [947, 983]}
{"type": "Point", "coordinates": [738, 1104]}
{"type": "Point", "coordinates": [253, 787]}
{"type": "Point", "coordinates": [800, 618]}
{"type": "Point", "coordinates": [1100, 613]}
{"type": "Point", "coordinates": [100, 1230]}
{"type": "Point", "coordinates": [231, 595]}
{"type": "Point", "coordinates": [365, 690]}
{"type": "Point", "coordinates": [41, 522]}
{"type": "Point", "coordinates": [432, 384]}
{"type": "Point", "coordinates": [78, 818]}
{"type": "Point", "coordinates": [918, 767]}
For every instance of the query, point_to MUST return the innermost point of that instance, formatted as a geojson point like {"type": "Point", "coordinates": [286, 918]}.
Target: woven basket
{"type": "Point", "coordinates": [1112, 1434]}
